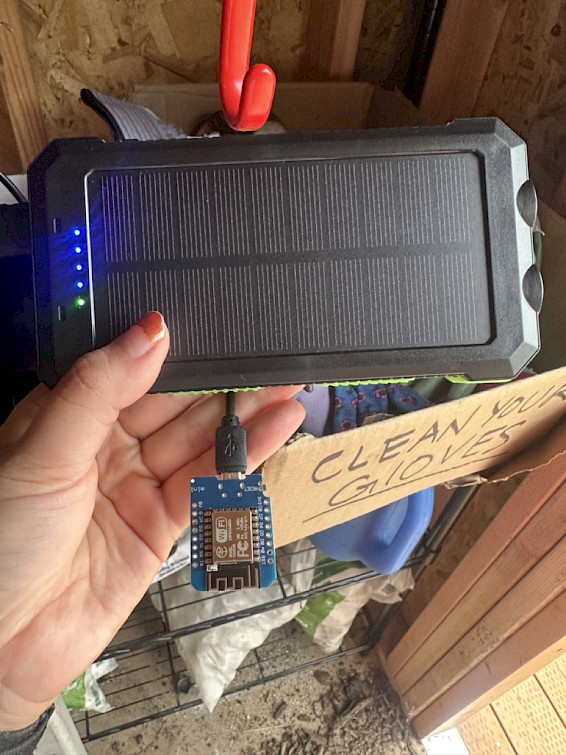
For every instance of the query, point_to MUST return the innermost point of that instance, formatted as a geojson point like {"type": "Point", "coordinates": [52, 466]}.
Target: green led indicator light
{"type": "Point", "coordinates": [80, 302]}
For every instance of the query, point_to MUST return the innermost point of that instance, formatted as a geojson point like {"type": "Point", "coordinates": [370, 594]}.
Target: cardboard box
{"type": "Point", "coordinates": [309, 106]}
{"type": "Point", "coordinates": [489, 436]}
{"type": "Point", "coordinates": [316, 483]}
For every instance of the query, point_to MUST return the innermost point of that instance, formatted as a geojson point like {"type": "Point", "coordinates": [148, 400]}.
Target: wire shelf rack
{"type": "Point", "coordinates": [151, 680]}
{"type": "Point", "coordinates": [168, 599]}
{"type": "Point", "coordinates": [152, 684]}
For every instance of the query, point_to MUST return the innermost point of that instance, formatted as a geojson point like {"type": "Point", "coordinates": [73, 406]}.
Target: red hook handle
{"type": "Point", "coordinates": [246, 93]}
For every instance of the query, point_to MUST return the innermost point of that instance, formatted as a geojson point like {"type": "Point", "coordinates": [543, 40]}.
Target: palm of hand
{"type": "Point", "coordinates": [81, 540]}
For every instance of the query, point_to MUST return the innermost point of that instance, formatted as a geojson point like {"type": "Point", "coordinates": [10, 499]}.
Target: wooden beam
{"type": "Point", "coordinates": [541, 585]}
{"type": "Point", "coordinates": [553, 313]}
{"type": "Point", "coordinates": [539, 641]}
{"type": "Point", "coordinates": [19, 86]}
{"type": "Point", "coordinates": [10, 162]}
{"type": "Point", "coordinates": [559, 204]}
{"type": "Point", "coordinates": [466, 38]}
{"type": "Point", "coordinates": [480, 511]}
{"type": "Point", "coordinates": [333, 36]}
{"type": "Point", "coordinates": [520, 508]}
{"type": "Point", "coordinates": [532, 543]}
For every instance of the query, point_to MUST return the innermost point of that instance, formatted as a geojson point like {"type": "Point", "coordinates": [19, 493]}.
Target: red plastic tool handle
{"type": "Point", "coordinates": [246, 93]}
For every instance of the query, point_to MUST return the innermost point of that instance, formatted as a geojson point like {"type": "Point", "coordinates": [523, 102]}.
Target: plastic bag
{"type": "Point", "coordinates": [213, 656]}
{"type": "Point", "coordinates": [328, 617]}
{"type": "Point", "coordinates": [179, 557]}
{"type": "Point", "coordinates": [84, 692]}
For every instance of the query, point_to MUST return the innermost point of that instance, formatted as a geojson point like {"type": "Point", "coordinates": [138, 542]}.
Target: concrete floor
{"type": "Point", "coordinates": [342, 706]}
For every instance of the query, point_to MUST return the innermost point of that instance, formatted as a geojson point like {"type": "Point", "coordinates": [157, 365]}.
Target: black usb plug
{"type": "Point", "coordinates": [232, 544]}
{"type": "Point", "coordinates": [231, 450]}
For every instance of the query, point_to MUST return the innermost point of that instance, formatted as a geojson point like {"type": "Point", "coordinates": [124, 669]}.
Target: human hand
{"type": "Point", "coordinates": [94, 490]}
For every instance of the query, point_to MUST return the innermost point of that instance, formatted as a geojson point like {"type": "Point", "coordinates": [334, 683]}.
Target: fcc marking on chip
{"type": "Point", "coordinates": [232, 539]}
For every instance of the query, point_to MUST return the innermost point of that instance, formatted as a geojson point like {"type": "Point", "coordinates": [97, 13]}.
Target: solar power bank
{"type": "Point", "coordinates": [328, 257]}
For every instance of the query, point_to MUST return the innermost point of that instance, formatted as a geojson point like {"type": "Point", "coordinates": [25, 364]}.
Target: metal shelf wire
{"type": "Point", "coordinates": [125, 643]}
{"type": "Point", "coordinates": [151, 669]}
{"type": "Point", "coordinates": [159, 679]}
{"type": "Point", "coordinates": [150, 666]}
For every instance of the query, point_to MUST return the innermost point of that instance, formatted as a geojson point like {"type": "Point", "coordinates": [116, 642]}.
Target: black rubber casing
{"type": "Point", "coordinates": [324, 257]}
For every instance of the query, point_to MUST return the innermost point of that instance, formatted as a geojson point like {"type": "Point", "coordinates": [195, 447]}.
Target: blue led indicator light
{"type": "Point", "coordinates": [80, 284]}
{"type": "Point", "coordinates": [77, 232]}
{"type": "Point", "coordinates": [78, 268]}
{"type": "Point", "coordinates": [78, 250]}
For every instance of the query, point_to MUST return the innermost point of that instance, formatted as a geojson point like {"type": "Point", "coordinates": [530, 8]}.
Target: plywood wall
{"type": "Point", "coordinates": [112, 45]}
{"type": "Point", "coordinates": [525, 85]}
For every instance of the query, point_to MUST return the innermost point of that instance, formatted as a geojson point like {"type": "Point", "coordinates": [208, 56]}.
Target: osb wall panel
{"type": "Point", "coordinates": [112, 45]}
{"type": "Point", "coordinates": [525, 86]}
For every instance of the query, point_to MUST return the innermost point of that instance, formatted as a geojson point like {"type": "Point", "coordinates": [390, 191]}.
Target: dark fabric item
{"type": "Point", "coordinates": [129, 121]}
{"type": "Point", "coordinates": [354, 403]}
{"type": "Point", "coordinates": [24, 741]}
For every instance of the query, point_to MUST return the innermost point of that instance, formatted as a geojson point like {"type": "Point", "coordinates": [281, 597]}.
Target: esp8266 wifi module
{"type": "Point", "coordinates": [231, 534]}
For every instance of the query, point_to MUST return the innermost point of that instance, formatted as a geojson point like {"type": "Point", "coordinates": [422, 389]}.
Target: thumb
{"type": "Point", "coordinates": [69, 431]}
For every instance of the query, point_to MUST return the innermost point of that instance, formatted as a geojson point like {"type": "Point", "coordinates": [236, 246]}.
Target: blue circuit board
{"type": "Point", "coordinates": [231, 534]}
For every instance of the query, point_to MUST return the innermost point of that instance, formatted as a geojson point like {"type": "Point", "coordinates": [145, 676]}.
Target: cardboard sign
{"type": "Point", "coordinates": [316, 483]}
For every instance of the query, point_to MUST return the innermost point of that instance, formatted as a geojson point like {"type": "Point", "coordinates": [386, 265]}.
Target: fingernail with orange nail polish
{"type": "Point", "coordinates": [144, 334]}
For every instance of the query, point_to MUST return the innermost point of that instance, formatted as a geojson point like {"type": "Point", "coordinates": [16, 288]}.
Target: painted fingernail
{"type": "Point", "coordinates": [144, 334]}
